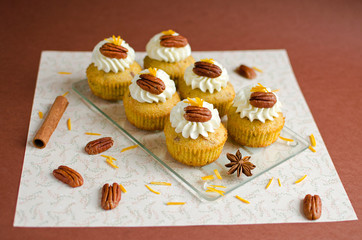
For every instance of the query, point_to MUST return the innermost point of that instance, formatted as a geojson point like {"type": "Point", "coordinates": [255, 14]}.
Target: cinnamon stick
{"type": "Point", "coordinates": [51, 122]}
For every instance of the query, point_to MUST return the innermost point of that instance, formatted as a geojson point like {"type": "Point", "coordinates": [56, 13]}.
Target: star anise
{"type": "Point", "coordinates": [239, 164]}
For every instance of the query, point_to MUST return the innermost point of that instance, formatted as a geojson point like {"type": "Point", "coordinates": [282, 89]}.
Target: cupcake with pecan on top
{"type": "Point", "coordinates": [170, 52]}
{"type": "Point", "coordinates": [195, 135]}
{"type": "Point", "coordinates": [112, 69]}
{"type": "Point", "coordinates": [209, 80]}
{"type": "Point", "coordinates": [150, 98]}
{"type": "Point", "coordinates": [255, 118]}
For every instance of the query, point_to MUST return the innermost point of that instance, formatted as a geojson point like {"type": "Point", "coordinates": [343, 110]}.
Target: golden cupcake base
{"type": "Point", "coordinates": [175, 69]}
{"type": "Point", "coordinates": [148, 116]}
{"type": "Point", "coordinates": [255, 133]}
{"type": "Point", "coordinates": [221, 100]}
{"type": "Point", "coordinates": [111, 86]}
{"type": "Point", "coordinates": [195, 152]}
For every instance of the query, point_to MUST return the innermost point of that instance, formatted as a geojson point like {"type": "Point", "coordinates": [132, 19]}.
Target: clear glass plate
{"type": "Point", "coordinates": [154, 143]}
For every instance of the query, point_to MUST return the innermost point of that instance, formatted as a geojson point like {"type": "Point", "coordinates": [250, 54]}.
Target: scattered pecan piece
{"type": "Point", "coordinates": [197, 114]}
{"type": "Point", "coordinates": [246, 72]}
{"type": "Point", "coordinates": [151, 84]}
{"type": "Point", "coordinates": [99, 145]}
{"type": "Point", "coordinates": [207, 69]}
{"type": "Point", "coordinates": [173, 41]}
{"type": "Point", "coordinates": [111, 195]}
{"type": "Point", "coordinates": [69, 176]}
{"type": "Point", "coordinates": [113, 51]}
{"type": "Point", "coordinates": [239, 164]}
{"type": "Point", "coordinates": [312, 207]}
{"type": "Point", "coordinates": [262, 99]}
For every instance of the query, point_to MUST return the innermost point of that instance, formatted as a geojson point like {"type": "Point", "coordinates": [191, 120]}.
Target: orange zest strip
{"type": "Point", "coordinates": [219, 186]}
{"type": "Point", "coordinates": [208, 60]}
{"type": "Point", "coordinates": [40, 115]}
{"type": "Point", "coordinates": [270, 181]}
{"type": "Point", "coordinates": [69, 124]}
{"type": "Point", "coordinates": [242, 199]}
{"type": "Point", "coordinates": [67, 73]}
{"type": "Point", "coordinates": [122, 188]}
{"type": "Point", "coordinates": [276, 90]}
{"type": "Point", "coordinates": [312, 149]}
{"type": "Point", "coordinates": [152, 189]}
{"type": "Point", "coordinates": [259, 88]}
{"type": "Point", "coordinates": [65, 94]}
{"type": "Point", "coordinates": [210, 189]}
{"type": "Point", "coordinates": [97, 134]}
{"type": "Point", "coordinates": [197, 102]}
{"type": "Point", "coordinates": [175, 203]}
{"type": "Point", "coordinates": [168, 32]}
{"type": "Point", "coordinates": [279, 182]}
{"type": "Point", "coordinates": [257, 69]}
{"type": "Point", "coordinates": [286, 139]}
{"type": "Point", "coordinates": [115, 40]}
{"type": "Point", "coordinates": [161, 183]}
{"type": "Point", "coordinates": [129, 148]}
{"type": "Point", "coordinates": [111, 163]}
{"type": "Point", "coordinates": [217, 174]}
{"type": "Point", "coordinates": [300, 179]}
{"type": "Point", "coordinates": [153, 71]}
{"type": "Point", "coordinates": [205, 178]}
{"type": "Point", "coordinates": [109, 157]}
{"type": "Point", "coordinates": [312, 140]}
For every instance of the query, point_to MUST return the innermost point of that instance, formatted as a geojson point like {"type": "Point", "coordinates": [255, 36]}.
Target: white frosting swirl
{"type": "Point", "coordinates": [142, 96]}
{"type": "Point", "coordinates": [112, 64]}
{"type": "Point", "coordinates": [206, 83]}
{"type": "Point", "coordinates": [193, 129]}
{"type": "Point", "coordinates": [241, 102]}
{"type": "Point", "coordinates": [167, 54]}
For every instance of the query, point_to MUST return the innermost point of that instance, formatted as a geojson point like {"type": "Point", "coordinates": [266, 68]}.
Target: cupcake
{"type": "Point", "coordinates": [255, 118]}
{"type": "Point", "coordinates": [194, 134]}
{"type": "Point", "coordinates": [170, 52]}
{"type": "Point", "coordinates": [209, 80]}
{"type": "Point", "coordinates": [150, 98]}
{"type": "Point", "coordinates": [112, 68]}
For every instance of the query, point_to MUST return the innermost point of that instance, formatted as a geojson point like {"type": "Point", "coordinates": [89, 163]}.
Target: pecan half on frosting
{"type": "Point", "coordinates": [111, 195]}
{"type": "Point", "coordinates": [246, 72]}
{"type": "Point", "coordinates": [262, 99]}
{"type": "Point", "coordinates": [312, 207]}
{"type": "Point", "coordinates": [68, 176]}
{"type": "Point", "coordinates": [173, 41]}
{"type": "Point", "coordinates": [113, 51]}
{"type": "Point", "coordinates": [197, 114]}
{"type": "Point", "coordinates": [206, 69]}
{"type": "Point", "coordinates": [151, 84]}
{"type": "Point", "coordinates": [99, 145]}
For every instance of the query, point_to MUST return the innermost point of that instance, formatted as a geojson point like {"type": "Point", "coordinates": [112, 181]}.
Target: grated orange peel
{"type": "Point", "coordinates": [208, 60]}
{"type": "Point", "coordinates": [115, 40]}
{"type": "Point", "coordinates": [168, 32]}
{"type": "Point", "coordinates": [198, 102]}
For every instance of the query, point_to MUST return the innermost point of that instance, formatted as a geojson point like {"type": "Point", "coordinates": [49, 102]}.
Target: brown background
{"type": "Point", "coordinates": [323, 40]}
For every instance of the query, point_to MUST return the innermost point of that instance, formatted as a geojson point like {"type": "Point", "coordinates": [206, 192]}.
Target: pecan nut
{"type": "Point", "coordinates": [173, 41]}
{"type": "Point", "coordinates": [151, 84]}
{"type": "Point", "coordinates": [312, 207]}
{"type": "Point", "coordinates": [197, 114]}
{"type": "Point", "coordinates": [263, 99]}
{"type": "Point", "coordinates": [246, 72]}
{"type": "Point", "coordinates": [207, 69]}
{"type": "Point", "coordinates": [113, 51]}
{"type": "Point", "coordinates": [99, 145]}
{"type": "Point", "coordinates": [69, 176]}
{"type": "Point", "coordinates": [111, 195]}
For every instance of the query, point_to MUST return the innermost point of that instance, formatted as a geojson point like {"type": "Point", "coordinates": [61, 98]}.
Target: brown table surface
{"type": "Point", "coordinates": [323, 40]}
